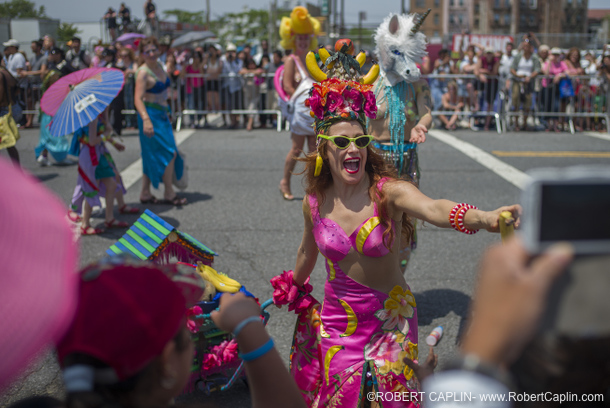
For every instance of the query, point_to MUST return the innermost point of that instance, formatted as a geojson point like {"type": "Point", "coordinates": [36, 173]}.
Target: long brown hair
{"type": "Point", "coordinates": [376, 168]}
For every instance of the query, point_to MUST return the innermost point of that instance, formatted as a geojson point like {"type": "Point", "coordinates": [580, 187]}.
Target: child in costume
{"type": "Point", "coordinates": [58, 147]}
{"type": "Point", "coordinates": [355, 342]}
{"type": "Point", "coordinates": [97, 175]}
{"type": "Point", "coordinates": [403, 98]}
{"type": "Point", "coordinates": [298, 34]}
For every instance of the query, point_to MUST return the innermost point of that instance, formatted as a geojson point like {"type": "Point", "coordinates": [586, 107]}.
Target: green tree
{"type": "Point", "coordinates": [21, 9]}
{"type": "Point", "coordinates": [183, 16]}
{"type": "Point", "coordinates": [66, 31]}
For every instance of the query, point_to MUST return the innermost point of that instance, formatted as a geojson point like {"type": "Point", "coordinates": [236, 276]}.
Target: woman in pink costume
{"type": "Point", "coordinates": [356, 214]}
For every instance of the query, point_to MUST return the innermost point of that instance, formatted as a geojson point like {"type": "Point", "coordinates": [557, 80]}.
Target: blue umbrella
{"type": "Point", "coordinates": [77, 99]}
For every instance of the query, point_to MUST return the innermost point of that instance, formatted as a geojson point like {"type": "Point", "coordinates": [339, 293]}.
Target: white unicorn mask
{"type": "Point", "coordinates": [399, 45]}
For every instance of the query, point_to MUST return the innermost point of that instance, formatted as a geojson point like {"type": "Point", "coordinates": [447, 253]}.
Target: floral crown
{"type": "Point", "coordinates": [342, 93]}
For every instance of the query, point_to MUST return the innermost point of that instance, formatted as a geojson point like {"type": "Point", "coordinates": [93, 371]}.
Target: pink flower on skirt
{"type": "Point", "coordinates": [210, 361]}
{"type": "Point", "coordinates": [383, 347]}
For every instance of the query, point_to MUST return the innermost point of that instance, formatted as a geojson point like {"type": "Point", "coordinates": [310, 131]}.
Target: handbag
{"type": "Point", "coordinates": [9, 134]}
{"type": "Point", "coordinates": [566, 90]}
{"type": "Point", "coordinates": [181, 184]}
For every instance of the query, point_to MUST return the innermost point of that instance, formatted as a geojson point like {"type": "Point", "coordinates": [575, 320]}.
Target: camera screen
{"type": "Point", "coordinates": [572, 212]}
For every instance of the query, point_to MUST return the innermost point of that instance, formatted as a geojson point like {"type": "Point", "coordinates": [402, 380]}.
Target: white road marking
{"type": "Point", "coordinates": [507, 172]}
{"type": "Point", "coordinates": [133, 172]}
{"type": "Point", "coordinates": [602, 136]}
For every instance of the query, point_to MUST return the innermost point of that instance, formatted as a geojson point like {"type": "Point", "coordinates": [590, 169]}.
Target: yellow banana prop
{"type": "Point", "coordinates": [221, 282]}
{"type": "Point", "coordinates": [361, 58]}
{"type": "Point", "coordinates": [371, 76]}
{"type": "Point", "coordinates": [352, 320]}
{"type": "Point", "coordinates": [313, 68]}
{"type": "Point", "coordinates": [329, 356]}
{"type": "Point", "coordinates": [324, 54]}
{"type": "Point", "coordinates": [506, 225]}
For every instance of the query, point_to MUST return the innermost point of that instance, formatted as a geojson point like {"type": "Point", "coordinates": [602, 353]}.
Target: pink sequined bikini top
{"type": "Point", "coordinates": [334, 243]}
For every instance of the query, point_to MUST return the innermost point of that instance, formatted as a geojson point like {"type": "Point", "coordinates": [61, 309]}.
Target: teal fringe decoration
{"type": "Point", "coordinates": [396, 96]}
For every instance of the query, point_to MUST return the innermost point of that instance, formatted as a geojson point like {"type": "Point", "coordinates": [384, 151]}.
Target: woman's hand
{"type": "Point", "coordinates": [233, 310]}
{"type": "Point", "coordinates": [148, 127]}
{"type": "Point", "coordinates": [418, 134]}
{"type": "Point", "coordinates": [492, 219]}
{"type": "Point", "coordinates": [427, 368]}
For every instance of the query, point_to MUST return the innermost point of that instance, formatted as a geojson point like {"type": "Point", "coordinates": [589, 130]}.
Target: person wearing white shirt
{"type": "Point", "coordinates": [15, 61]}
{"type": "Point", "coordinates": [525, 68]}
{"type": "Point", "coordinates": [231, 95]}
{"type": "Point", "coordinates": [505, 63]}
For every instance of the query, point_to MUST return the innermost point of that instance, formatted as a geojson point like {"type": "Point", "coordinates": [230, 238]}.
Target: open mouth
{"type": "Point", "coordinates": [352, 165]}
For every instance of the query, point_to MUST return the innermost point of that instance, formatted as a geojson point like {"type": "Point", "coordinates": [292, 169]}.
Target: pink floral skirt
{"type": "Point", "coordinates": [354, 344]}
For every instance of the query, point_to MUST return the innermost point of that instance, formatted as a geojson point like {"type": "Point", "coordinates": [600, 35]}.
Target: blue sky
{"type": "Point", "coordinates": [89, 10]}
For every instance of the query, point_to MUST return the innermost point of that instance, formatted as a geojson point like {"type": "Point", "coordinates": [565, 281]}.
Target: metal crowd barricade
{"type": "Point", "coordinates": [236, 94]}
{"type": "Point", "coordinates": [30, 95]}
{"type": "Point", "coordinates": [485, 96]}
{"type": "Point", "coordinates": [588, 101]}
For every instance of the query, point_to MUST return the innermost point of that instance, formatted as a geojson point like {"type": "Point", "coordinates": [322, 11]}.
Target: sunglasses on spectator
{"type": "Point", "coordinates": [343, 142]}
{"type": "Point", "coordinates": [151, 51]}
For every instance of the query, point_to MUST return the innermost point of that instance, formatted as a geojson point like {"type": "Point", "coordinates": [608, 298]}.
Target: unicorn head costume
{"type": "Point", "coordinates": [399, 46]}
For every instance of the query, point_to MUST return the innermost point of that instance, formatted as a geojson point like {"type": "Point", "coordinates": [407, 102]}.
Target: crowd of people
{"type": "Point", "coordinates": [531, 80]}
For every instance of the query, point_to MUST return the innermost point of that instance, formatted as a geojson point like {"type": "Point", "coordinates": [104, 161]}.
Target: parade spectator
{"type": "Point", "coordinates": [572, 60]}
{"type": "Point", "coordinates": [213, 70]}
{"type": "Point", "coordinates": [97, 60]}
{"type": "Point", "coordinates": [438, 86]}
{"type": "Point", "coordinates": [543, 53]}
{"type": "Point", "coordinates": [15, 62]}
{"type": "Point", "coordinates": [262, 51]}
{"type": "Point", "coordinates": [265, 84]}
{"type": "Point", "coordinates": [555, 70]}
{"type": "Point", "coordinates": [128, 63]}
{"type": "Point", "coordinates": [115, 109]}
{"type": "Point", "coordinates": [487, 71]}
{"type": "Point", "coordinates": [150, 12]}
{"type": "Point", "coordinates": [34, 77]}
{"type": "Point", "coordinates": [451, 102]}
{"type": "Point", "coordinates": [110, 18]}
{"type": "Point", "coordinates": [48, 43]}
{"type": "Point", "coordinates": [524, 69]}
{"type": "Point", "coordinates": [77, 57]}
{"type": "Point", "coordinates": [252, 80]}
{"type": "Point", "coordinates": [192, 74]}
{"type": "Point", "coordinates": [125, 16]}
{"type": "Point", "coordinates": [173, 72]}
{"type": "Point", "coordinates": [506, 62]}
{"type": "Point", "coordinates": [468, 66]}
{"type": "Point", "coordinates": [506, 273]}
{"type": "Point", "coordinates": [231, 96]}
{"type": "Point", "coordinates": [164, 43]}
{"type": "Point", "coordinates": [588, 93]}
{"type": "Point", "coordinates": [137, 353]}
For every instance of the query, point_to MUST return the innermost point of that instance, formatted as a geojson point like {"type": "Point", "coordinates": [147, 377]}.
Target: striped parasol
{"type": "Point", "coordinates": [77, 99]}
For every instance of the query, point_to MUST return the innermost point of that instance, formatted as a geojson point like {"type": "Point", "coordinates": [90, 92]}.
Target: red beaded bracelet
{"type": "Point", "coordinates": [453, 215]}
{"type": "Point", "coordinates": [460, 219]}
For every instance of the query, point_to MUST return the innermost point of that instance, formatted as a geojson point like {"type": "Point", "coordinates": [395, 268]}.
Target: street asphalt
{"type": "Point", "coordinates": [236, 209]}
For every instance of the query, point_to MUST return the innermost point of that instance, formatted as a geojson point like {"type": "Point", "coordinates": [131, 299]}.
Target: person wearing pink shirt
{"type": "Point", "coordinates": [555, 70]}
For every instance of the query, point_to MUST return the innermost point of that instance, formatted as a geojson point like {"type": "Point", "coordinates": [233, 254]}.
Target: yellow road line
{"type": "Point", "coordinates": [591, 155]}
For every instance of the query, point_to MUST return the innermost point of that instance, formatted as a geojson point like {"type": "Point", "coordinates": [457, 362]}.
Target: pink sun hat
{"type": "Point", "coordinates": [38, 280]}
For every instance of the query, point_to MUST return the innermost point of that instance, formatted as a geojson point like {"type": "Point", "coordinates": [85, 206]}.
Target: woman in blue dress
{"type": "Point", "coordinates": [160, 158]}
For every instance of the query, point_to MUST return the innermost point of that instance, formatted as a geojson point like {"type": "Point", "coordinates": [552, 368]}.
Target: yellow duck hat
{"type": "Point", "coordinates": [299, 22]}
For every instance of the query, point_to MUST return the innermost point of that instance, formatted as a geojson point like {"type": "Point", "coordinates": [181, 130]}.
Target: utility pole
{"type": "Point", "coordinates": [361, 16]}
{"type": "Point", "coordinates": [335, 15]}
{"type": "Point", "coordinates": [207, 15]}
{"type": "Point", "coordinates": [342, 30]}
{"type": "Point", "coordinates": [403, 9]}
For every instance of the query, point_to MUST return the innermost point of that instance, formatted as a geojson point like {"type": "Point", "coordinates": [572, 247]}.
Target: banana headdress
{"type": "Point", "coordinates": [299, 22]}
{"type": "Point", "coordinates": [342, 93]}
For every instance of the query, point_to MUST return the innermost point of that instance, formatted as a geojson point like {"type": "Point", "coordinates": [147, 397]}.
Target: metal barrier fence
{"type": "Point", "coordinates": [583, 99]}
{"type": "Point", "coordinates": [249, 94]}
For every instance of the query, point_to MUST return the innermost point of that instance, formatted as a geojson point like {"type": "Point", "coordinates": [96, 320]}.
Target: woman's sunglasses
{"type": "Point", "coordinates": [343, 142]}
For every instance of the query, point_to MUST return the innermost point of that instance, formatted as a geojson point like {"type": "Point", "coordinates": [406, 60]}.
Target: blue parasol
{"type": "Point", "coordinates": [77, 99]}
